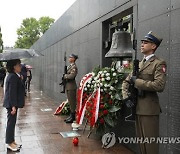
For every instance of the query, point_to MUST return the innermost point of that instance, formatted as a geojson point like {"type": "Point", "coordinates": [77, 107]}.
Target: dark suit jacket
{"type": "Point", "coordinates": [14, 92]}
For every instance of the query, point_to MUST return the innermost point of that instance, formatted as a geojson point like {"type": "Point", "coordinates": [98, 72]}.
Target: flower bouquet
{"type": "Point", "coordinates": [102, 110]}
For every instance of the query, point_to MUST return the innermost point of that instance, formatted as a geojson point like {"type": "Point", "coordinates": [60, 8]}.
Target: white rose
{"type": "Point", "coordinates": [114, 74]}
{"type": "Point", "coordinates": [100, 72]}
{"type": "Point", "coordinates": [107, 74]}
{"type": "Point", "coordinates": [108, 78]}
{"type": "Point", "coordinates": [85, 89]}
{"type": "Point", "coordinates": [112, 88]}
{"type": "Point", "coordinates": [103, 79]}
{"type": "Point", "coordinates": [112, 69]}
{"type": "Point", "coordinates": [102, 75]}
{"type": "Point", "coordinates": [97, 81]}
{"type": "Point", "coordinates": [88, 85]}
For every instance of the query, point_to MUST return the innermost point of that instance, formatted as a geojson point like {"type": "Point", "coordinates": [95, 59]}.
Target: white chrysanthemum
{"type": "Point", "coordinates": [88, 85]}
{"type": "Point", "coordinates": [102, 75]}
{"type": "Point", "coordinates": [85, 89]}
{"type": "Point", "coordinates": [93, 81]}
{"type": "Point", "coordinates": [105, 71]}
{"type": "Point", "coordinates": [92, 86]}
{"type": "Point", "coordinates": [114, 74]}
{"type": "Point", "coordinates": [101, 84]}
{"type": "Point", "coordinates": [105, 89]}
{"type": "Point", "coordinates": [103, 79]}
{"type": "Point", "coordinates": [108, 78]}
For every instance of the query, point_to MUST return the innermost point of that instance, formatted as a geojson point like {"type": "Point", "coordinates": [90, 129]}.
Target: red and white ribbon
{"type": "Point", "coordinates": [95, 107]}
{"type": "Point", "coordinates": [60, 108]}
{"type": "Point", "coordinates": [81, 106]}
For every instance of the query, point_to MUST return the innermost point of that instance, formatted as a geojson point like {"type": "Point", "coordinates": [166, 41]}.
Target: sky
{"type": "Point", "coordinates": [12, 13]}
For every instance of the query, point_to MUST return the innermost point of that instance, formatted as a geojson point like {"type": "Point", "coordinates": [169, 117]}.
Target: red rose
{"type": "Point", "coordinates": [110, 101]}
{"type": "Point", "coordinates": [126, 65]}
{"type": "Point", "coordinates": [101, 121]}
{"type": "Point", "coordinates": [102, 106]}
{"type": "Point", "coordinates": [105, 112]}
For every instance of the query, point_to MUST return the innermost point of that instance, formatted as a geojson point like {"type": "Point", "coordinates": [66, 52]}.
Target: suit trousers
{"type": "Point", "coordinates": [71, 95]}
{"type": "Point", "coordinates": [10, 129]}
{"type": "Point", "coordinates": [148, 126]}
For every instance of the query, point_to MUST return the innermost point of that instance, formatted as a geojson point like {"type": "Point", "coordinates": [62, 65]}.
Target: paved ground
{"type": "Point", "coordinates": [38, 131]}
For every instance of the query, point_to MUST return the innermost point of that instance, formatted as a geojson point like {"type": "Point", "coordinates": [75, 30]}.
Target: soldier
{"type": "Point", "coordinates": [151, 79]}
{"type": "Point", "coordinates": [71, 86]}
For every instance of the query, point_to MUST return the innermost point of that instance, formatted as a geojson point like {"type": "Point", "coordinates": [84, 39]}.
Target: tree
{"type": "Point", "coordinates": [45, 23]}
{"type": "Point", "coordinates": [31, 30]}
{"type": "Point", "coordinates": [1, 42]}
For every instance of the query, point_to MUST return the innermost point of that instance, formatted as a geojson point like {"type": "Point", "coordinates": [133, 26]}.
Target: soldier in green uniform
{"type": "Point", "coordinates": [151, 79]}
{"type": "Point", "coordinates": [71, 86]}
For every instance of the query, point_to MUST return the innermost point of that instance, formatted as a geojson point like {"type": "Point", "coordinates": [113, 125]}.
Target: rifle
{"type": "Point", "coordinates": [133, 91]}
{"type": "Point", "coordinates": [63, 83]}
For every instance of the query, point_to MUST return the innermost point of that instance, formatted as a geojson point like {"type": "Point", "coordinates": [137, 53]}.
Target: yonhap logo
{"type": "Point", "coordinates": [108, 140]}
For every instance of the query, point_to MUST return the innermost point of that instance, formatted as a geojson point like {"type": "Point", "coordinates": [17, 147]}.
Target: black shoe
{"type": "Point", "coordinates": [70, 116]}
{"type": "Point", "coordinates": [71, 119]}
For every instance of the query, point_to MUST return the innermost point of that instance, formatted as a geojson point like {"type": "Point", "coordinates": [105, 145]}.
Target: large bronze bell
{"type": "Point", "coordinates": [121, 46]}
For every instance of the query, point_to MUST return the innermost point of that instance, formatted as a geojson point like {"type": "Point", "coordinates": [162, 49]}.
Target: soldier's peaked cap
{"type": "Point", "coordinates": [73, 56]}
{"type": "Point", "coordinates": [150, 37]}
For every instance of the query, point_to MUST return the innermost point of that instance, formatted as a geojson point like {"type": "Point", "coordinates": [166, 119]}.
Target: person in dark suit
{"type": "Point", "coordinates": [28, 80]}
{"type": "Point", "coordinates": [13, 99]}
{"type": "Point", "coordinates": [24, 75]}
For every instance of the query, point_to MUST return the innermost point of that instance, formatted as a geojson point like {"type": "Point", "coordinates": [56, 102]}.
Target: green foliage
{"type": "Point", "coordinates": [1, 42]}
{"type": "Point", "coordinates": [31, 30]}
{"type": "Point", "coordinates": [45, 23]}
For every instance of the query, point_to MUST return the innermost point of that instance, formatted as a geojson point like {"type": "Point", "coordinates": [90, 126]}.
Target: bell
{"type": "Point", "coordinates": [121, 46]}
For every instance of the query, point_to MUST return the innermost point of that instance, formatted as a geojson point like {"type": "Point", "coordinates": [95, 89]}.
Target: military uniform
{"type": "Point", "coordinates": [71, 86]}
{"type": "Point", "coordinates": [151, 79]}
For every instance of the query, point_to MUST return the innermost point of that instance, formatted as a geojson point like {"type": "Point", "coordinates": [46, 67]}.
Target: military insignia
{"type": "Point", "coordinates": [164, 68]}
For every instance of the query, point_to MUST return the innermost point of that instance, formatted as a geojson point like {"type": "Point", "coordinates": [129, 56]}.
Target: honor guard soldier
{"type": "Point", "coordinates": [151, 79]}
{"type": "Point", "coordinates": [71, 86]}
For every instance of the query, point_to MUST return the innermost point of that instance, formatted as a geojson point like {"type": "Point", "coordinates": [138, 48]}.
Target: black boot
{"type": "Point", "coordinates": [71, 119]}
{"type": "Point", "coordinates": [70, 116]}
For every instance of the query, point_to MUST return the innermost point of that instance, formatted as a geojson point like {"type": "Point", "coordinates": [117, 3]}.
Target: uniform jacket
{"type": "Point", "coordinates": [70, 77]}
{"type": "Point", "coordinates": [14, 92]}
{"type": "Point", "coordinates": [151, 79]}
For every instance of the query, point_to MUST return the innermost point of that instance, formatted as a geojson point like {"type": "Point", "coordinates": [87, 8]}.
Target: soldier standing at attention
{"type": "Point", "coordinates": [71, 86]}
{"type": "Point", "coordinates": [151, 79]}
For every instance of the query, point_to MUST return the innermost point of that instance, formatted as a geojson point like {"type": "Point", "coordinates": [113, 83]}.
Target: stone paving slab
{"type": "Point", "coordinates": [38, 131]}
